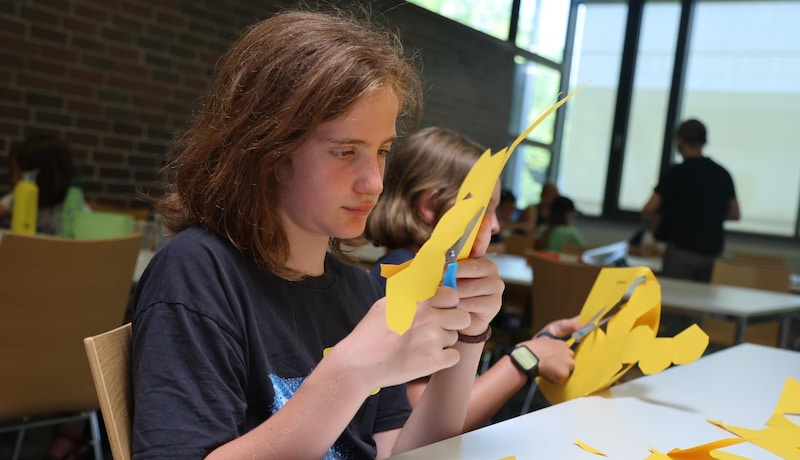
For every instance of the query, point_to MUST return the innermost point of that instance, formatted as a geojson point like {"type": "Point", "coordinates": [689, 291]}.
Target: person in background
{"type": "Point", "coordinates": [423, 177]}
{"type": "Point", "coordinates": [536, 215]}
{"type": "Point", "coordinates": [560, 229]}
{"type": "Point", "coordinates": [689, 206]}
{"type": "Point", "coordinates": [252, 338]}
{"type": "Point", "coordinates": [52, 158]}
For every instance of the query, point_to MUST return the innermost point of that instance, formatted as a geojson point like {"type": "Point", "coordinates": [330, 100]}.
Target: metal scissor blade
{"type": "Point", "coordinates": [451, 255]}
{"type": "Point", "coordinates": [585, 330]}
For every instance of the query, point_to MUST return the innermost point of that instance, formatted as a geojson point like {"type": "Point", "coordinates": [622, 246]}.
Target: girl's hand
{"type": "Point", "coordinates": [380, 357]}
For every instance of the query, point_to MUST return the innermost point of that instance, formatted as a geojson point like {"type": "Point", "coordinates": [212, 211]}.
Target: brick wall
{"type": "Point", "coordinates": [118, 79]}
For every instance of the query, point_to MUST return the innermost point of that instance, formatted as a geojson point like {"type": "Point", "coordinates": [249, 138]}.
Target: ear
{"type": "Point", "coordinates": [427, 205]}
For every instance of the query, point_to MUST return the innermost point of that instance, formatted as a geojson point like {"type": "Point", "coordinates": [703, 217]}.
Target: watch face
{"type": "Point", "coordinates": [525, 357]}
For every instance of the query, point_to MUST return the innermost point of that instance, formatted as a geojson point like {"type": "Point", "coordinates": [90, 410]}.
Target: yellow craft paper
{"type": "Point", "coordinates": [789, 402]}
{"type": "Point", "coordinates": [417, 281]}
{"type": "Point", "coordinates": [657, 356]}
{"type": "Point", "coordinates": [588, 448]}
{"type": "Point", "coordinates": [702, 451]}
{"type": "Point", "coordinates": [413, 284]}
{"type": "Point", "coordinates": [630, 337]}
{"type": "Point", "coordinates": [689, 345]}
{"type": "Point", "coordinates": [656, 455]}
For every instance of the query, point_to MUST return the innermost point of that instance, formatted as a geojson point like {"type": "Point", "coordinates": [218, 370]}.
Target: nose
{"type": "Point", "coordinates": [370, 176]}
{"type": "Point", "coordinates": [495, 223]}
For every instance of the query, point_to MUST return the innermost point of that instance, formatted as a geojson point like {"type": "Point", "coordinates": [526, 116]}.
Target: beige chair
{"type": "Point", "coordinates": [54, 293]}
{"type": "Point", "coordinates": [559, 288]}
{"type": "Point", "coordinates": [518, 244]}
{"type": "Point", "coordinates": [758, 275]}
{"type": "Point", "coordinates": [758, 258]}
{"type": "Point", "coordinates": [109, 356]}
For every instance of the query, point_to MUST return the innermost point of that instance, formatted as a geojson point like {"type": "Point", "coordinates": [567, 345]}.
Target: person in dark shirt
{"type": "Point", "coordinates": [689, 205]}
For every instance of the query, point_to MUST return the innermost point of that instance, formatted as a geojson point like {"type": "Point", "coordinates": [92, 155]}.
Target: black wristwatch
{"type": "Point", "coordinates": [525, 360]}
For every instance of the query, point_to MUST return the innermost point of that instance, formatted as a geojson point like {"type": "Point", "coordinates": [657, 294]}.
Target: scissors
{"type": "Point", "coordinates": [451, 255]}
{"type": "Point", "coordinates": [591, 325]}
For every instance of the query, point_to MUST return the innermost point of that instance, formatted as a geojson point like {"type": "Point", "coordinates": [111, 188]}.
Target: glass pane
{"type": "Point", "coordinates": [542, 27]}
{"type": "Point", "coordinates": [651, 86]}
{"type": "Point", "coordinates": [489, 16]}
{"type": "Point", "coordinates": [743, 82]}
{"type": "Point", "coordinates": [536, 90]}
{"type": "Point", "coordinates": [530, 165]}
{"type": "Point", "coordinates": [583, 164]}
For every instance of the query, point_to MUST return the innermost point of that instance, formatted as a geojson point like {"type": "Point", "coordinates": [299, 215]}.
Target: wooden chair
{"type": "Point", "coordinates": [559, 289]}
{"type": "Point", "coordinates": [758, 258]}
{"type": "Point", "coordinates": [56, 292]}
{"type": "Point", "coordinates": [518, 244]}
{"type": "Point", "coordinates": [109, 356]}
{"type": "Point", "coordinates": [739, 272]}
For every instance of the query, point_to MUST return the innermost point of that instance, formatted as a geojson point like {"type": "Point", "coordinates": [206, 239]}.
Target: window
{"type": "Point", "coordinates": [489, 16]}
{"type": "Point", "coordinates": [743, 82]}
{"type": "Point", "coordinates": [597, 54]}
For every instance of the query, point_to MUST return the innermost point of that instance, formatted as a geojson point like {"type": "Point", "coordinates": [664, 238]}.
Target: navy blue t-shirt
{"type": "Point", "coordinates": [219, 345]}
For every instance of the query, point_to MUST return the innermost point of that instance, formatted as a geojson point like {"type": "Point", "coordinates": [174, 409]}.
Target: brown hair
{"type": "Point", "coordinates": [434, 159]}
{"type": "Point", "coordinates": [283, 77]}
{"type": "Point", "coordinates": [693, 132]}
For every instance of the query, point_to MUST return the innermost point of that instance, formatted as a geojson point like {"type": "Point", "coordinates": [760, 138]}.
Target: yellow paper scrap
{"type": "Point", "coordinates": [588, 448]}
{"type": "Point", "coordinates": [419, 279]}
{"type": "Point", "coordinates": [702, 451]}
{"type": "Point", "coordinates": [789, 402]}
{"type": "Point", "coordinates": [630, 337]}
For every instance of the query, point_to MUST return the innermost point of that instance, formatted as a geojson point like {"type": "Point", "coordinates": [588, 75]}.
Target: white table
{"type": "Point", "coordinates": [740, 304]}
{"type": "Point", "coordinates": [739, 386]}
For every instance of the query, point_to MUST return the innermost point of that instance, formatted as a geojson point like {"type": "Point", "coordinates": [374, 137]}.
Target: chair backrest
{"type": "Point", "coordinates": [559, 288]}
{"type": "Point", "coordinates": [54, 293]}
{"type": "Point", "coordinates": [757, 275]}
{"type": "Point", "coordinates": [109, 356]}
{"type": "Point", "coordinates": [518, 244]}
{"type": "Point", "coordinates": [758, 258]}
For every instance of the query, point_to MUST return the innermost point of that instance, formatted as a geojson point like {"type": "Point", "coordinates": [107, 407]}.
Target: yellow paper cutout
{"type": "Point", "coordinates": [630, 337]}
{"type": "Point", "coordinates": [657, 455]}
{"type": "Point", "coordinates": [703, 451]}
{"type": "Point", "coordinates": [421, 277]}
{"type": "Point", "coordinates": [789, 402]}
{"type": "Point", "coordinates": [588, 448]}
{"type": "Point", "coordinates": [782, 436]}
{"type": "Point", "coordinates": [405, 286]}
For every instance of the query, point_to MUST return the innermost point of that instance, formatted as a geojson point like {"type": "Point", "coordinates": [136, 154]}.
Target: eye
{"type": "Point", "coordinates": [384, 152]}
{"type": "Point", "coordinates": [342, 153]}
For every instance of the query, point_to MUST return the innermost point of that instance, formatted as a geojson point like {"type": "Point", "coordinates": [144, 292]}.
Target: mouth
{"type": "Point", "coordinates": [360, 210]}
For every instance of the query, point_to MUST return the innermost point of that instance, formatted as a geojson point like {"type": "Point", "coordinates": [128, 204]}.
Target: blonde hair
{"type": "Point", "coordinates": [282, 78]}
{"type": "Point", "coordinates": [432, 159]}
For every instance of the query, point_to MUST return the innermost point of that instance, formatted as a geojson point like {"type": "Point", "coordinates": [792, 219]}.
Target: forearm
{"type": "Point", "coordinates": [491, 391]}
{"type": "Point", "coordinates": [310, 422]}
{"type": "Point", "coordinates": [442, 409]}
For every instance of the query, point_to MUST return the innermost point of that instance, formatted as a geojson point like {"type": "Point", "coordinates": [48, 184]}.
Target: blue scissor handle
{"type": "Point", "coordinates": [449, 278]}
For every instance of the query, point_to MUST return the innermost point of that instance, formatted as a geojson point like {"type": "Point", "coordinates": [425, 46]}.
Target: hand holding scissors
{"type": "Point", "coordinates": [591, 325]}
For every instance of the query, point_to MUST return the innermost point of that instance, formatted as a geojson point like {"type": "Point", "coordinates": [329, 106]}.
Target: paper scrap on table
{"type": "Point", "coordinates": [781, 437]}
{"type": "Point", "coordinates": [588, 448]}
{"type": "Point", "coordinates": [418, 279]}
{"type": "Point", "coordinates": [630, 337]}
